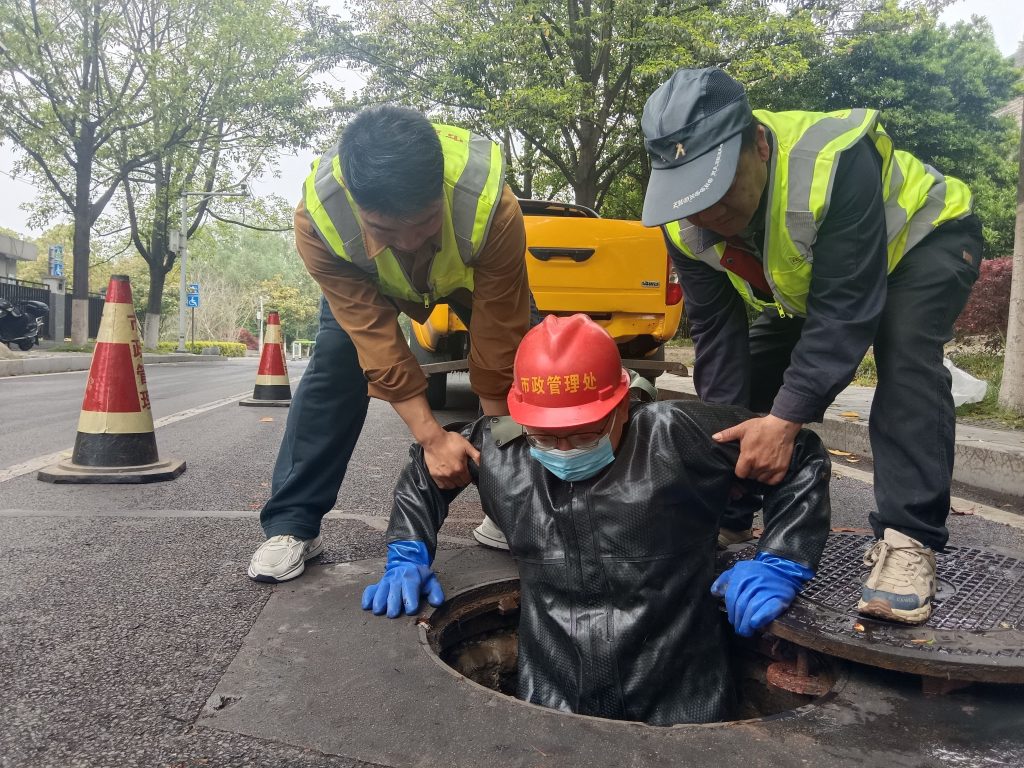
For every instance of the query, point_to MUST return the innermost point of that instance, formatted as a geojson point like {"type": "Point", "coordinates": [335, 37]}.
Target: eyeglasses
{"type": "Point", "coordinates": [581, 440]}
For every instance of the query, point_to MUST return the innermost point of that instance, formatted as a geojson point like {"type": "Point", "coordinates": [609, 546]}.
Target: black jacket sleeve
{"type": "Point", "coordinates": [797, 511]}
{"type": "Point", "coordinates": [419, 507]}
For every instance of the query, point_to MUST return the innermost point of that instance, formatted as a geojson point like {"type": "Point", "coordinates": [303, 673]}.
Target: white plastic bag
{"type": "Point", "coordinates": [966, 388]}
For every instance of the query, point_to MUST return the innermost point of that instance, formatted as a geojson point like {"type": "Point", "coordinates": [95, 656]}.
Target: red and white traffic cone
{"type": "Point", "coordinates": [116, 442]}
{"type": "Point", "coordinates": [272, 385]}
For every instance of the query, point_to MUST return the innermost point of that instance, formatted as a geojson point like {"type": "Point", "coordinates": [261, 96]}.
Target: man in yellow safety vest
{"type": "Point", "coordinates": [399, 215]}
{"type": "Point", "coordinates": [838, 242]}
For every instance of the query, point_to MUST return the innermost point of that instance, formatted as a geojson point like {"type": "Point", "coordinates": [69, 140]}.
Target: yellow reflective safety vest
{"type": "Point", "coordinates": [805, 154]}
{"type": "Point", "coordinates": [474, 176]}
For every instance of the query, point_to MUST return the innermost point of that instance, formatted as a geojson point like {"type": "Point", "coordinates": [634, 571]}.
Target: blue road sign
{"type": "Point", "coordinates": [192, 300]}
{"type": "Point", "coordinates": [56, 260]}
{"type": "Point", "coordinates": [193, 288]}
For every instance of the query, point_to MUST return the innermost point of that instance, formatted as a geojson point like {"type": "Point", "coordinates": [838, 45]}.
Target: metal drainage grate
{"type": "Point", "coordinates": [974, 633]}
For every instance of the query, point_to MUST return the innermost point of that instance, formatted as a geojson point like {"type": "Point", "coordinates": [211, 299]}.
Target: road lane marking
{"type": "Point", "coordinates": [375, 522]}
{"type": "Point", "coordinates": [34, 465]}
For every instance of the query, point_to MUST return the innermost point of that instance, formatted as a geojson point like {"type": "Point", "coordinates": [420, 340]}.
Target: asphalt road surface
{"type": "Point", "coordinates": [121, 607]}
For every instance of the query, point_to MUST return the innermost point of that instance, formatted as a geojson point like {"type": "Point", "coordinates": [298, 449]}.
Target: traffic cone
{"type": "Point", "coordinates": [272, 385]}
{"type": "Point", "coordinates": [115, 442]}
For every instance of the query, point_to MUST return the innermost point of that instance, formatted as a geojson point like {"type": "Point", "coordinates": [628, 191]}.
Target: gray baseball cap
{"type": "Point", "coordinates": [692, 132]}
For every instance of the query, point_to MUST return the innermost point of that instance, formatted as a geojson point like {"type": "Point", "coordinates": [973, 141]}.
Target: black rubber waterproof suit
{"type": "Point", "coordinates": [616, 617]}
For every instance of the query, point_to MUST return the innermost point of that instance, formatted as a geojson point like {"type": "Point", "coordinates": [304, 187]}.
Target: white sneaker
{"type": "Point", "coordinates": [490, 535]}
{"type": "Point", "coordinates": [281, 558]}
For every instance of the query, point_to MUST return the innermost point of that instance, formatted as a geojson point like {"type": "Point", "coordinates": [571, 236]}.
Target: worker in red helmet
{"type": "Point", "coordinates": [611, 510]}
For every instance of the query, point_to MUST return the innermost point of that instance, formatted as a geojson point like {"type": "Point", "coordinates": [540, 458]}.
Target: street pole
{"type": "Point", "coordinates": [183, 256]}
{"type": "Point", "coordinates": [260, 318]}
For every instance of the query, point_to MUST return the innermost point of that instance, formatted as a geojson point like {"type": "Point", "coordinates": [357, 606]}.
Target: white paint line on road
{"type": "Point", "coordinates": [34, 465]}
{"type": "Point", "coordinates": [189, 413]}
{"type": "Point", "coordinates": [994, 514]}
{"type": "Point", "coordinates": [376, 522]}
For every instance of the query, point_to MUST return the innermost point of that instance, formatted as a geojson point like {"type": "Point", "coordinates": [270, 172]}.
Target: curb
{"type": "Point", "coordinates": [26, 366]}
{"type": "Point", "coordinates": [978, 463]}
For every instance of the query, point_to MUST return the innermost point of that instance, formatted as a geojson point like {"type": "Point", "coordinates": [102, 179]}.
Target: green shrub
{"type": "Point", "coordinates": [866, 375]}
{"type": "Point", "coordinates": [227, 348]}
{"type": "Point", "coordinates": [988, 310]}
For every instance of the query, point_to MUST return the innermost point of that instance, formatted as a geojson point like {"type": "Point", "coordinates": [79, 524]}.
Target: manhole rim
{"type": "Point", "coordinates": [423, 627]}
{"type": "Point", "coordinates": [829, 631]}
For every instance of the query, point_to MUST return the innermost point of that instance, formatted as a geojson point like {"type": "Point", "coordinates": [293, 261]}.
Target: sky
{"type": "Point", "coordinates": [1004, 15]}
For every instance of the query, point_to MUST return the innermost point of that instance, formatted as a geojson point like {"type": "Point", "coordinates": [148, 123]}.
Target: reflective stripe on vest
{"type": "Point", "coordinates": [806, 150]}
{"type": "Point", "coordinates": [474, 172]}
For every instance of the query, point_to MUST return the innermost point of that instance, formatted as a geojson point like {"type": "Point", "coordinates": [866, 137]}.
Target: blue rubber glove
{"type": "Point", "coordinates": [757, 591]}
{"type": "Point", "coordinates": [407, 575]}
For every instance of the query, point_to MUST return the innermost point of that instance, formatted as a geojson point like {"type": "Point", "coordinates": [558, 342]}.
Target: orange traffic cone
{"type": "Point", "coordinates": [272, 385]}
{"type": "Point", "coordinates": [115, 442]}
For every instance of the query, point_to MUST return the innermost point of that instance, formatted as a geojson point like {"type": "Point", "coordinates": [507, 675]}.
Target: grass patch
{"type": "Point", "coordinates": [867, 374]}
{"type": "Point", "coordinates": [87, 347]}
{"type": "Point", "coordinates": [677, 341]}
{"type": "Point", "coordinates": [987, 366]}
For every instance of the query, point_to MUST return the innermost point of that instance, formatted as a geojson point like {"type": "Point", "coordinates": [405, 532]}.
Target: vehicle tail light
{"type": "Point", "coordinates": [673, 290]}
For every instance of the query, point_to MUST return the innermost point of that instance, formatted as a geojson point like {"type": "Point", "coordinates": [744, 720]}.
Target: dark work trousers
{"type": "Point", "coordinates": [913, 422]}
{"type": "Point", "coordinates": [324, 421]}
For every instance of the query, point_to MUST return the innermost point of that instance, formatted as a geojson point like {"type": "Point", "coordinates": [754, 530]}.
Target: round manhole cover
{"type": "Point", "coordinates": [974, 633]}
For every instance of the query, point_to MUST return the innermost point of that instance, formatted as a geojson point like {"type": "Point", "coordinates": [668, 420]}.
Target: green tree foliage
{"type": "Point", "coordinates": [299, 316]}
{"type": "Point", "coordinates": [561, 85]}
{"type": "Point", "coordinates": [153, 96]}
{"type": "Point", "coordinates": [70, 77]}
{"type": "Point", "coordinates": [236, 265]}
{"type": "Point", "coordinates": [937, 87]}
{"type": "Point", "coordinates": [106, 258]}
{"type": "Point", "coordinates": [229, 88]}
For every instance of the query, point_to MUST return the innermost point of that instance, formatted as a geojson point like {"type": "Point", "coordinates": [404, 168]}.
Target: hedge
{"type": "Point", "coordinates": [227, 348]}
{"type": "Point", "coordinates": [988, 310]}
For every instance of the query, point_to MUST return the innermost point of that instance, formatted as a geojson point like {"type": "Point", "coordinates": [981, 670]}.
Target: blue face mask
{"type": "Point", "coordinates": [577, 463]}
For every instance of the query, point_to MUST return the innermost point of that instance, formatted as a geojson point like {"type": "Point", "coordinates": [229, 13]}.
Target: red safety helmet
{"type": "Point", "coordinates": [567, 372]}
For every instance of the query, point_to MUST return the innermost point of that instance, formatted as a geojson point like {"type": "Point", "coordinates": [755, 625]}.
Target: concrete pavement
{"type": "Point", "coordinates": [987, 459]}
{"type": "Point", "coordinates": [43, 361]}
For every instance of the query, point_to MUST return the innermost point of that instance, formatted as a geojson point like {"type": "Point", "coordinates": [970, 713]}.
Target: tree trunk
{"type": "Point", "coordinates": [80, 245]}
{"type": "Point", "coordinates": [156, 257]}
{"type": "Point", "coordinates": [80, 288]}
{"type": "Point", "coordinates": [80, 239]}
{"type": "Point", "coordinates": [157, 276]}
{"type": "Point", "coordinates": [585, 186]}
{"type": "Point", "coordinates": [1011, 392]}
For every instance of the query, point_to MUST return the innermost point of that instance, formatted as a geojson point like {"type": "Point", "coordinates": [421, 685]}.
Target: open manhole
{"type": "Point", "coordinates": [475, 633]}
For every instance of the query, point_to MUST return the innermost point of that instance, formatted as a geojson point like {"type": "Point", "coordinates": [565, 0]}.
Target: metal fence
{"type": "Point", "coordinates": [15, 290]}
{"type": "Point", "coordinates": [95, 314]}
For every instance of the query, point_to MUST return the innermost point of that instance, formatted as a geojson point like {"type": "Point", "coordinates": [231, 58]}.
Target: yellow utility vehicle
{"type": "Point", "coordinates": [614, 270]}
